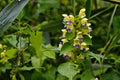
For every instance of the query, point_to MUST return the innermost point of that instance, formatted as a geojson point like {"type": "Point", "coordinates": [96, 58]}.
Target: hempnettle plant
{"type": "Point", "coordinates": [76, 36]}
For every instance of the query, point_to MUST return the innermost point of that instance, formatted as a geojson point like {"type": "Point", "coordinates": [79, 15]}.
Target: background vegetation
{"type": "Point", "coordinates": [29, 47]}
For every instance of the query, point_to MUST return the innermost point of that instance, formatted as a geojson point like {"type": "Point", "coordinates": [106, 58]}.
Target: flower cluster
{"type": "Point", "coordinates": [75, 30]}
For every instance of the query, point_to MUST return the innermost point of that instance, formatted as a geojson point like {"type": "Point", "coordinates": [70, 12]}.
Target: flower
{"type": "Point", "coordinates": [79, 36]}
{"type": "Point", "coordinates": [88, 24]}
{"type": "Point", "coordinates": [82, 13]}
{"type": "Point", "coordinates": [60, 45]}
{"type": "Point", "coordinates": [68, 19]}
{"type": "Point", "coordinates": [80, 28]}
{"type": "Point", "coordinates": [68, 54]}
{"type": "Point", "coordinates": [84, 47]}
{"type": "Point", "coordinates": [90, 29]}
{"type": "Point", "coordinates": [2, 54]}
{"type": "Point", "coordinates": [85, 31]}
{"type": "Point", "coordinates": [69, 27]}
{"type": "Point", "coordinates": [64, 40]}
{"type": "Point", "coordinates": [64, 32]}
{"type": "Point", "coordinates": [76, 43]}
{"type": "Point", "coordinates": [71, 18]}
{"type": "Point", "coordinates": [84, 21]}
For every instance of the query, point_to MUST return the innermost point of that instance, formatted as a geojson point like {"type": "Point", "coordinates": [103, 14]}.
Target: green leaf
{"type": "Point", "coordinates": [112, 75]}
{"type": "Point", "coordinates": [70, 35]}
{"type": "Point", "coordinates": [25, 68]}
{"type": "Point", "coordinates": [113, 1]}
{"type": "Point", "coordinates": [12, 39]}
{"type": "Point", "coordinates": [98, 66]}
{"type": "Point", "coordinates": [36, 41]}
{"type": "Point", "coordinates": [50, 74]}
{"type": "Point", "coordinates": [87, 40]}
{"type": "Point", "coordinates": [48, 52]}
{"type": "Point", "coordinates": [116, 23]}
{"type": "Point", "coordinates": [14, 77]}
{"type": "Point", "coordinates": [61, 77]}
{"type": "Point", "coordinates": [5, 67]}
{"type": "Point", "coordinates": [10, 12]}
{"type": "Point", "coordinates": [87, 75]}
{"type": "Point", "coordinates": [21, 77]}
{"type": "Point", "coordinates": [88, 8]}
{"type": "Point", "coordinates": [20, 16]}
{"type": "Point", "coordinates": [96, 56]}
{"type": "Point", "coordinates": [11, 53]}
{"type": "Point", "coordinates": [67, 47]}
{"type": "Point", "coordinates": [68, 69]}
{"type": "Point", "coordinates": [35, 62]}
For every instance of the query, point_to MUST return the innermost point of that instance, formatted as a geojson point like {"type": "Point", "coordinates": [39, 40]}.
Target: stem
{"type": "Point", "coordinates": [111, 20]}
{"type": "Point", "coordinates": [97, 14]}
{"type": "Point", "coordinates": [74, 11]}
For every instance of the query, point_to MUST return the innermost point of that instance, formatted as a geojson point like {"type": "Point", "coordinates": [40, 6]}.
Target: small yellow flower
{"type": "Point", "coordinates": [70, 27]}
{"type": "Point", "coordinates": [2, 54]}
{"type": "Point", "coordinates": [88, 24]}
{"type": "Point", "coordinates": [66, 17]}
{"type": "Point", "coordinates": [76, 43]}
{"type": "Point", "coordinates": [71, 18]}
{"type": "Point", "coordinates": [60, 45]}
{"type": "Point", "coordinates": [84, 47]}
{"type": "Point", "coordinates": [84, 21]}
{"type": "Point", "coordinates": [82, 13]}
{"type": "Point", "coordinates": [85, 31]}
{"type": "Point", "coordinates": [68, 54]}
{"type": "Point", "coordinates": [64, 40]}
{"type": "Point", "coordinates": [64, 32]}
{"type": "Point", "coordinates": [79, 36]}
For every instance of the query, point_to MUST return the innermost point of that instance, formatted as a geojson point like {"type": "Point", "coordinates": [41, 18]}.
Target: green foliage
{"type": "Point", "coordinates": [32, 29]}
{"type": "Point", "coordinates": [67, 47]}
{"type": "Point", "coordinates": [68, 69]}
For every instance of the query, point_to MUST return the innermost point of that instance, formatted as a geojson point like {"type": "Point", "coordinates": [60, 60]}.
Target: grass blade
{"type": "Point", "coordinates": [10, 12]}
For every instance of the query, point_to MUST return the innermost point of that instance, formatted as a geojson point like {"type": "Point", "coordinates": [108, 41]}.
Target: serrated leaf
{"type": "Point", "coordinates": [10, 12]}
{"type": "Point", "coordinates": [36, 41]}
{"type": "Point", "coordinates": [67, 47]}
{"type": "Point", "coordinates": [68, 69]}
{"type": "Point", "coordinates": [12, 39]}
